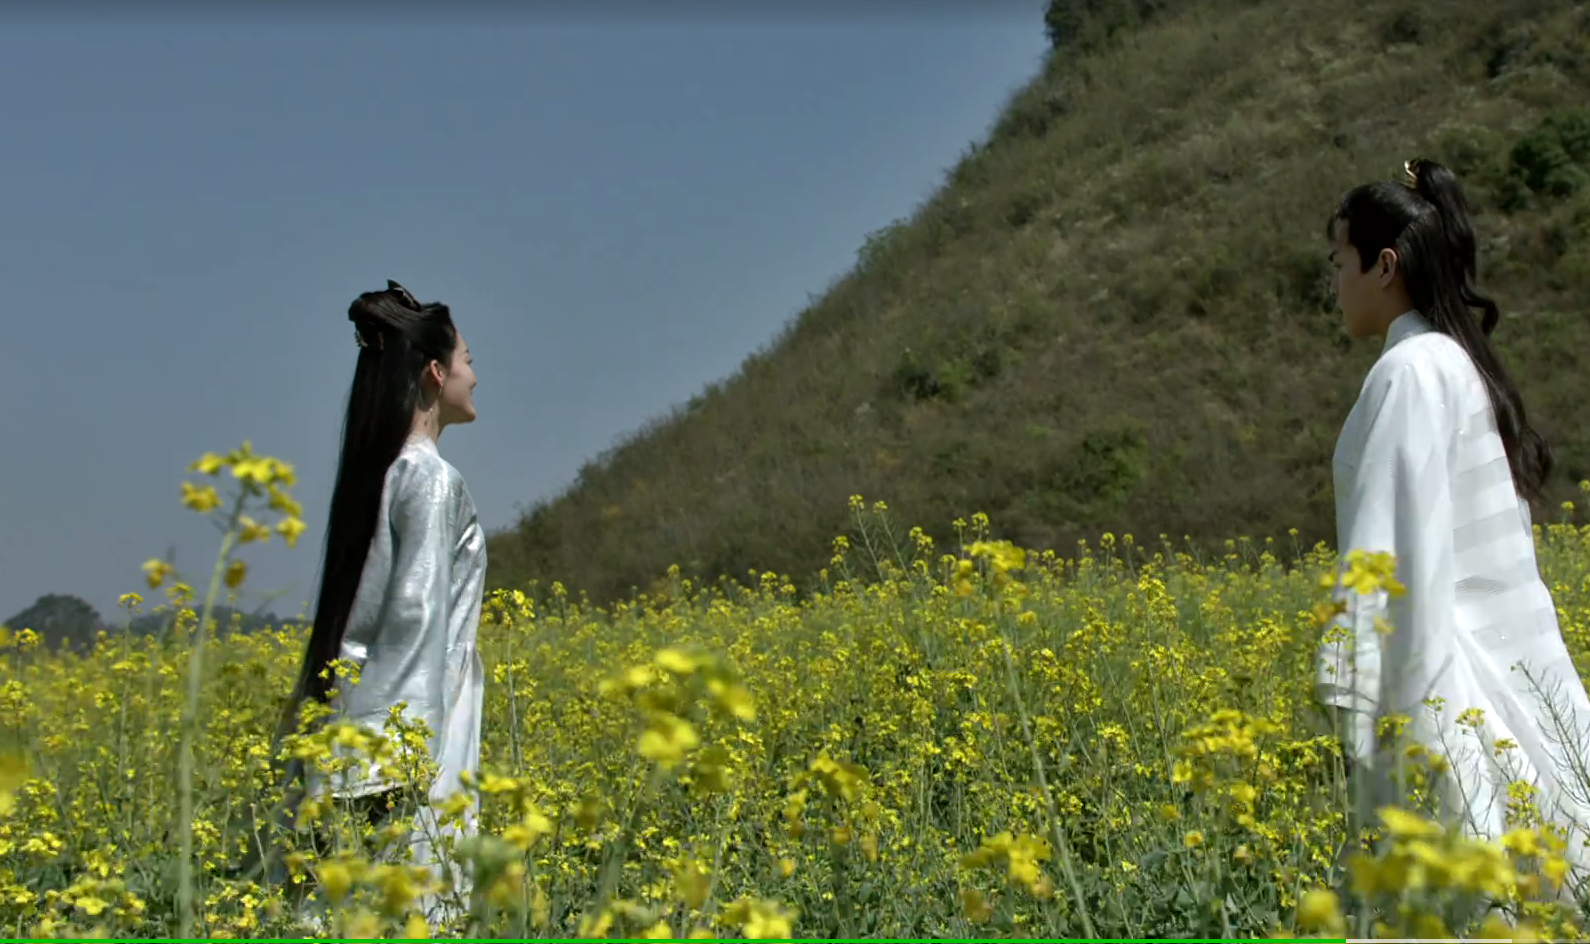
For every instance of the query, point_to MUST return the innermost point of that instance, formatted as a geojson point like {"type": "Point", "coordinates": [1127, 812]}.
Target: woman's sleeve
{"type": "Point", "coordinates": [414, 610]}
{"type": "Point", "coordinates": [1397, 501]}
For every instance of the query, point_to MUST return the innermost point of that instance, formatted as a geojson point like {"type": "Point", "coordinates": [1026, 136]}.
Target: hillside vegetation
{"type": "Point", "coordinates": [1113, 316]}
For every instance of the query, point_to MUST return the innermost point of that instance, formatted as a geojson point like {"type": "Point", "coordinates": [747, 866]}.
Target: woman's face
{"type": "Point", "coordinates": [456, 400]}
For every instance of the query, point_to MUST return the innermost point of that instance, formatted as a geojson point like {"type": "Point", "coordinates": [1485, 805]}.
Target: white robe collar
{"type": "Point", "coordinates": [1403, 327]}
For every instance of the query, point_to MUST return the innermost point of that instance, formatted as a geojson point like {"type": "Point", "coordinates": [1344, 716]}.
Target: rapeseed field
{"type": "Point", "coordinates": [966, 741]}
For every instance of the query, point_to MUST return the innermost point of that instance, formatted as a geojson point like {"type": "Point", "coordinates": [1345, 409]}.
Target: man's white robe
{"type": "Point", "coordinates": [1420, 472]}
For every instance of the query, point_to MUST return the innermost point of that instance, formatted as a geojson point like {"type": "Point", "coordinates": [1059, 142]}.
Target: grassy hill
{"type": "Point", "coordinates": [1113, 315]}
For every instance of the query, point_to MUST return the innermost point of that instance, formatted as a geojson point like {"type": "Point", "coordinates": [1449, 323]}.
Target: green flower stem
{"type": "Point", "coordinates": [190, 725]}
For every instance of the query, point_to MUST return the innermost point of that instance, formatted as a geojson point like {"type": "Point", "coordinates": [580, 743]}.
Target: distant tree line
{"type": "Point", "coordinates": [68, 622]}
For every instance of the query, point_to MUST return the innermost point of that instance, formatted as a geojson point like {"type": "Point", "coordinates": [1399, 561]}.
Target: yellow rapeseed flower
{"type": "Point", "coordinates": [1406, 825]}
{"type": "Point", "coordinates": [678, 661]}
{"type": "Point", "coordinates": [335, 880]}
{"type": "Point", "coordinates": [209, 464]}
{"type": "Point", "coordinates": [249, 530]}
{"type": "Point", "coordinates": [13, 774]}
{"type": "Point", "coordinates": [290, 528]}
{"type": "Point", "coordinates": [667, 739]}
{"type": "Point", "coordinates": [156, 572]}
{"type": "Point", "coordinates": [1320, 910]}
{"type": "Point", "coordinates": [202, 499]}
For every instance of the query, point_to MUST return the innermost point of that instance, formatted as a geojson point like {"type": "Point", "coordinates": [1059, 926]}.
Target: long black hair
{"type": "Point", "coordinates": [398, 338]}
{"type": "Point", "coordinates": [1426, 222]}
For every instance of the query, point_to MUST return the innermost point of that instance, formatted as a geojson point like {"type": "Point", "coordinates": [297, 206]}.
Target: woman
{"type": "Point", "coordinates": [405, 559]}
{"type": "Point", "coordinates": [1435, 465]}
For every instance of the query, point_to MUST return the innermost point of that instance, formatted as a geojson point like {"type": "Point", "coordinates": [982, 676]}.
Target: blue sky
{"type": "Point", "coordinates": [618, 209]}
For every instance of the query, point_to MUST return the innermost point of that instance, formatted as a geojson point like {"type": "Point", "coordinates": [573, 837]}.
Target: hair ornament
{"type": "Point", "coordinates": [1410, 171]}
{"type": "Point", "coordinates": [403, 294]}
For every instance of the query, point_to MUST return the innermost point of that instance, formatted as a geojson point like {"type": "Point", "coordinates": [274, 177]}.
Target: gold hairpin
{"type": "Point", "coordinates": [358, 338]}
{"type": "Point", "coordinates": [1411, 174]}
